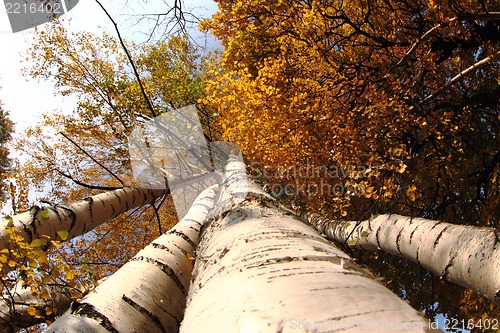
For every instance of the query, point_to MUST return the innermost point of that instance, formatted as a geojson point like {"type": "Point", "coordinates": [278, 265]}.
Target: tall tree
{"type": "Point", "coordinates": [327, 85]}
{"type": "Point", "coordinates": [90, 150]}
{"type": "Point", "coordinates": [357, 108]}
{"type": "Point", "coordinates": [78, 155]}
{"type": "Point", "coordinates": [165, 262]}
{"type": "Point", "coordinates": [277, 271]}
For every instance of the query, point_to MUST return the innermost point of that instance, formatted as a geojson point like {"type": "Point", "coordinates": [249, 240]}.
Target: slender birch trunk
{"type": "Point", "coordinates": [81, 216]}
{"type": "Point", "coordinates": [14, 307]}
{"type": "Point", "coordinates": [261, 269]}
{"type": "Point", "coordinates": [148, 293]}
{"type": "Point", "coordinates": [465, 255]}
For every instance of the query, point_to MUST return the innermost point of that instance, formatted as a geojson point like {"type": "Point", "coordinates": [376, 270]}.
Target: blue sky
{"type": "Point", "coordinates": [26, 100]}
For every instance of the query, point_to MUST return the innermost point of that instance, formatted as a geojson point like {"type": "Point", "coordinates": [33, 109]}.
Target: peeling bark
{"type": "Point", "coordinates": [465, 255]}
{"type": "Point", "coordinates": [148, 293]}
{"type": "Point", "coordinates": [81, 216]}
{"type": "Point", "coordinates": [261, 269]}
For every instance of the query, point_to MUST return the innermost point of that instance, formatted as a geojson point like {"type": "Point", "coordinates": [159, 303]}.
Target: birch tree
{"type": "Point", "coordinates": [67, 222]}
{"type": "Point", "coordinates": [277, 274]}
{"type": "Point", "coordinates": [464, 255]}
{"type": "Point", "coordinates": [26, 238]}
{"type": "Point", "coordinates": [261, 269]}
{"type": "Point", "coordinates": [20, 310]}
{"type": "Point", "coordinates": [148, 293]}
{"type": "Point", "coordinates": [393, 106]}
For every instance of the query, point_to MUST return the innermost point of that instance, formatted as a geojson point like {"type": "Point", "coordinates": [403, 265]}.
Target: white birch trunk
{"type": "Point", "coordinates": [14, 308]}
{"type": "Point", "coordinates": [260, 269]}
{"type": "Point", "coordinates": [81, 216]}
{"type": "Point", "coordinates": [148, 293]}
{"type": "Point", "coordinates": [465, 255]}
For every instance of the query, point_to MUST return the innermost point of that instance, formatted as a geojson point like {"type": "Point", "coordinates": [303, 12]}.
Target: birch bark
{"type": "Point", "coordinates": [81, 216]}
{"type": "Point", "coordinates": [465, 255]}
{"type": "Point", "coordinates": [261, 269]}
{"type": "Point", "coordinates": [148, 293]}
{"type": "Point", "coordinates": [14, 313]}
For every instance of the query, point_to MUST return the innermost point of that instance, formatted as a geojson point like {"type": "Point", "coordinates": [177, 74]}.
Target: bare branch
{"type": "Point", "coordinates": [92, 158]}
{"type": "Point", "coordinates": [459, 76]}
{"type": "Point", "coordinates": [92, 187]}
{"type": "Point", "coordinates": [131, 61]}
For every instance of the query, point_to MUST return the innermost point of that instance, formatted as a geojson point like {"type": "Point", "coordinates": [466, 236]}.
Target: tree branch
{"type": "Point", "coordinates": [92, 187]}
{"type": "Point", "coordinates": [459, 76]}
{"type": "Point", "coordinates": [93, 159]}
{"type": "Point", "coordinates": [131, 61]}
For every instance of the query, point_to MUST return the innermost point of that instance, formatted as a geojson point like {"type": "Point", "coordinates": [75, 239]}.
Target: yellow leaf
{"type": "Point", "coordinates": [402, 167]}
{"type": "Point", "coordinates": [352, 243]}
{"type": "Point", "coordinates": [32, 311]}
{"type": "Point", "coordinates": [12, 264]}
{"type": "Point", "coordinates": [63, 234]}
{"type": "Point", "coordinates": [70, 275]}
{"type": "Point", "coordinates": [36, 243]}
{"type": "Point", "coordinates": [44, 294]}
{"type": "Point", "coordinates": [41, 259]}
{"type": "Point", "coordinates": [46, 279]}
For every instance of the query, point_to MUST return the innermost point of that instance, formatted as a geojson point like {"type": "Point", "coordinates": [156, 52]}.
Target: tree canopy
{"type": "Point", "coordinates": [387, 85]}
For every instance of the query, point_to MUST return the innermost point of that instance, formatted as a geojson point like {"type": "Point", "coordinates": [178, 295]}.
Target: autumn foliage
{"type": "Point", "coordinates": [337, 84]}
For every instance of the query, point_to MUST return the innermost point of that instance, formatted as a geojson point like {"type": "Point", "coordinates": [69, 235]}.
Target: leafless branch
{"type": "Point", "coordinates": [460, 75]}
{"type": "Point", "coordinates": [92, 158]}
{"type": "Point", "coordinates": [131, 61]}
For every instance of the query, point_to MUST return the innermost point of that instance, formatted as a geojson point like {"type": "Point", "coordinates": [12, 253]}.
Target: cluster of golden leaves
{"type": "Point", "coordinates": [38, 266]}
{"type": "Point", "coordinates": [340, 84]}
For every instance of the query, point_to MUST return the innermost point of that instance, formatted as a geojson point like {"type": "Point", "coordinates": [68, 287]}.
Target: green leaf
{"type": "Point", "coordinates": [365, 234]}
{"type": "Point", "coordinates": [63, 234]}
{"type": "Point", "coordinates": [352, 242]}
{"type": "Point", "coordinates": [43, 214]}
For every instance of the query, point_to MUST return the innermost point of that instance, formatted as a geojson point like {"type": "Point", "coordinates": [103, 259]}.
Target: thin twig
{"type": "Point", "coordinates": [92, 158]}
{"type": "Point", "coordinates": [92, 187]}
